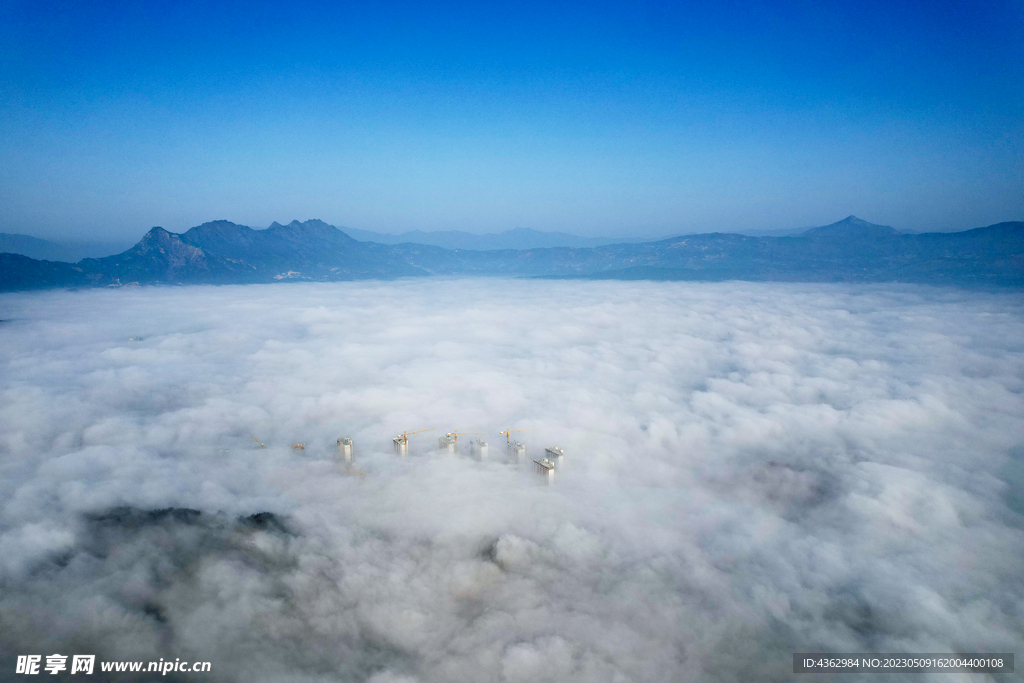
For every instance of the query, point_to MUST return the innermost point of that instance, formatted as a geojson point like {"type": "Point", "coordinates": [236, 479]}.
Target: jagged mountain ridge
{"type": "Point", "coordinates": [224, 252]}
{"type": "Point", "coordinates": [850, 250]}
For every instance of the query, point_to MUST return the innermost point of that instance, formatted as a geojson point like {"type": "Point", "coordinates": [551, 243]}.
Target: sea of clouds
{"type": "Point", "coordinates": [750, 470]}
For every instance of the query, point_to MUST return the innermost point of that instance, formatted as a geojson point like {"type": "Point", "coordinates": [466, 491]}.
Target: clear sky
{"type": "Point", "coordinates": [592, 118]}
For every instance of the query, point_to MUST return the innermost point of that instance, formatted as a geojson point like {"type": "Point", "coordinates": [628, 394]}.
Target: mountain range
{"type": "Point", "coordinates": [518, 238]}
{"type": "Point", "coordinates": [522, 238]}
{"type": "Point", "coordinates": [851, 250]}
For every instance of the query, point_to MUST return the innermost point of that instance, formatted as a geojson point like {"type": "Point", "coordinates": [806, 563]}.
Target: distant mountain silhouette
{"type": "Point", "coordinates": [851, 250]}
{"type": "Point", "coordinates": [517, 238]}
{"type": "Point", "coordinates": [41, 249]}
{"type": "Point", "coordinates": [525, 238]}
{"type": "Point", "coordinates": [851, 227]}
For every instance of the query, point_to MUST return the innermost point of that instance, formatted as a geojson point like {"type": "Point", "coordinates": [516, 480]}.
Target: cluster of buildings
{"type": "Point", "coordinates": [478, 450]}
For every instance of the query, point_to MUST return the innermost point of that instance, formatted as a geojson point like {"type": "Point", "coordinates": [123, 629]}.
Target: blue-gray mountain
{"type": "Point", "coordinates": [851, 250]}
{"type": "Point", "coordinates": [523, 238]}
{"type": "Point", "coordinates": [519, 238]}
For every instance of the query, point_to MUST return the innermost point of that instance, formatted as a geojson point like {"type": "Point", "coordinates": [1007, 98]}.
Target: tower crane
{"type": "Point", "coordinates": [402, 440]}
{"type": "Point", "coordinates": [257, 441]}
{"type": "Point", "coordinates": [514, 431]}
{"type": "Point", "coordinates": [404, 436]}
{"type": "Point", "coordinates": [455, 434]}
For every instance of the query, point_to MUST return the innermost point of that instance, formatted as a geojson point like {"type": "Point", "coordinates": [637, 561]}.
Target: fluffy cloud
{"type": "Point", "coordinates": [750, 470]}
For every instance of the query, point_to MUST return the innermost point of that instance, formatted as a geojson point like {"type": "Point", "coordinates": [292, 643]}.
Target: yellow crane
{"type": "Point", "coordinates": [257, 441]}
{"type": "Point", "coordinates": [515, 431]}
{"type": "Point", "coordinates": [298, 445]}
{"type": "Point", "coordinates": [455, 434]}
{"type": "Point", "coordinates": [403, 438]}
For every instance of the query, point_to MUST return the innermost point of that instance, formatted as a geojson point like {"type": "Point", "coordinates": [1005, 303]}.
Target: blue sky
{"type": "Point", "coordinates": [592, 118]}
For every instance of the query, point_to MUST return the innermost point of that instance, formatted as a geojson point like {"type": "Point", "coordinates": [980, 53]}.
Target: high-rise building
{"type": "Point", "coordinates": [516, 452]}
{"type": "Point", "coordinates": [545, 468]}
{"type": "Point", "coordinates": [478, 448]}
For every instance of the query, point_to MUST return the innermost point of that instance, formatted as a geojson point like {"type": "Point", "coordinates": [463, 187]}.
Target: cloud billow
{"type": "Point", "coordinates": [750, 470]}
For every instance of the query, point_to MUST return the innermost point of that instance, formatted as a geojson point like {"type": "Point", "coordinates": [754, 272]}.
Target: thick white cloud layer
{"type": "Point", "coordinates": [750, 470]}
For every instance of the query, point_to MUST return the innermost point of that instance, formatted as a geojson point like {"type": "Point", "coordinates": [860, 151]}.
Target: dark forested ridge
{"type": "Point", "coordinates": [851, 250]}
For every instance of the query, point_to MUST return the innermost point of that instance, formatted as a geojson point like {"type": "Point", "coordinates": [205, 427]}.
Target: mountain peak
{"type": "Point", "coordinates": [217, 226]}
{"type": "Point", "coordinates": [155, 233]}
{"type": "Point", "coordinates": [311, 224]}
{"type": "Point", "coordinates": [298, 232]}
{"type": "Point", "coordinates": [851, 226]}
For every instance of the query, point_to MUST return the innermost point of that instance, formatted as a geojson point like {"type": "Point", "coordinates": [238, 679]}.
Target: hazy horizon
{"type": "Point", "coordinates": [63, 237]}
{"type": "Point", "coordinates": [263, 226]}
